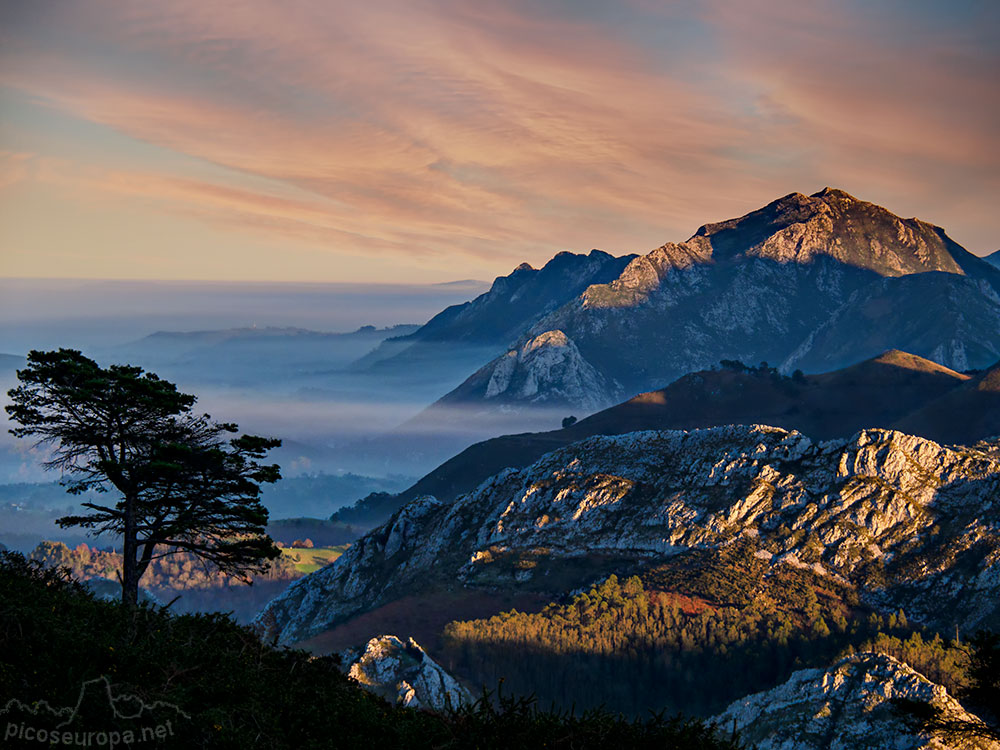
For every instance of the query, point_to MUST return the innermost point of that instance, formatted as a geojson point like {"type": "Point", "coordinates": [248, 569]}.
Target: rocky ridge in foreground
{"type": "Point", "coordinates": [911, 523]}
{"type": "Point", "coordinates": [403, 673]}
{"type": "Point", "coordinates": [849, 705]}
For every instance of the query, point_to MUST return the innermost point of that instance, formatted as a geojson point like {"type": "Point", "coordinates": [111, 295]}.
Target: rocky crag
{"type": "Point", "coordinates": [403, 673]}
{"type": "Point", "coordinates": [907, 521]}
{"type": "Point", "coordinates": [850, 705]}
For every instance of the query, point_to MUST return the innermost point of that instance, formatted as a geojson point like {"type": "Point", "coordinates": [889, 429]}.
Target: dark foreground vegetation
{"type": "Point", "coordinates": [691, 635]}
{"type": "Point", "coordinates": [203, 681]}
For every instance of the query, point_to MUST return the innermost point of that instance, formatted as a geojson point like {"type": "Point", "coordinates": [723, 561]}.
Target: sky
{"type": "Point", "coordinates": [432, 140]}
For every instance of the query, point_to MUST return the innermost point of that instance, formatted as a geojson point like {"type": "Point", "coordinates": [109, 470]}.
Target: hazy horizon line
{"type": "Point", "coordinates": [247, 282]}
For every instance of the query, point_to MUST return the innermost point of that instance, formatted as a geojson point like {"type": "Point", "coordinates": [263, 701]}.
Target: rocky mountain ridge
{"type": "Point", "coordinates": [849, 705]}
{"type": "Point", "coordinates": [498, 317]}
{"type": "Point", "coordinates": [852, 703]}
{"type": "Point", "coordinates": [547, 369]}
{"type": "Point", "coordinates": [814, 282]}
{"type": "Point", "coordinates": [895, 390]}
{"type": "Point", "coordinates": [911, 523]}
{"type": "Point", "coordinates": [403, 673]}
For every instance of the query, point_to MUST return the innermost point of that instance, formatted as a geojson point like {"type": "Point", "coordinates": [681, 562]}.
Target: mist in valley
{"type": "Point", "coordinates": [282, 360]}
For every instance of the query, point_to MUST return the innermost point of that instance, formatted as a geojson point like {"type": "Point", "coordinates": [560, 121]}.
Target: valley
{"type": "Point", "coordinates": [705, 528]}
{"type": "Point", "coordinates": [500, 375]}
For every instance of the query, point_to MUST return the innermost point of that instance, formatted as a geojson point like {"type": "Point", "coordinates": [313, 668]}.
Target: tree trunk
{"type": "Point", "coordinates": [130, 549]}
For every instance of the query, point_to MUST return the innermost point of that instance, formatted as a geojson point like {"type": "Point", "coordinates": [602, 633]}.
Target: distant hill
{"type": "Point", "coordinates": [809, 281]}
{"type": "Point", "coordinates": [496, 318]}
{"type": "Point", "coordinates": [894, 390]}
{"type": "Point", "coordinates": [290, 346]}
{"type": "Point", "coordinates": [277, 358]}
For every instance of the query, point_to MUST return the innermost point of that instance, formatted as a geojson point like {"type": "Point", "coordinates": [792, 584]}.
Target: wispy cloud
{"type": "Point", "coordinates": [505, 131]}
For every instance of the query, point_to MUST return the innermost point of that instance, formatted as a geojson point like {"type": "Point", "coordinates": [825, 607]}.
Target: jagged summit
{"type": "Point", "coordinates": [832, 223]}
{"type": "Point", "coordinates": [513, 303]}
{"type": "Point", "coordinates": [546, 369]}
{"type": "Point", "coordinates": [831, 192]}
{"type": "Point", "coordinates": [811, 282]}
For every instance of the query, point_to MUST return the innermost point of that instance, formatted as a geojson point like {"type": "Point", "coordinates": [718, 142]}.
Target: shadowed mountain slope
{"type": "Point", "coordinates": [496, 318]}
{"type": "Point", "coordinates": [963, 414]}
{"type": "Point", "coordinates": [894, 390]}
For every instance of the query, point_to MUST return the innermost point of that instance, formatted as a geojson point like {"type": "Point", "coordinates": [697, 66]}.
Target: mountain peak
{"type": "Point", "coordinates": [833, 224]}
{"type": "Point", "coordinates": [549, 367]}
{"type": "Point", "coordinates": [524, 267]}
{"type": "Point", "coordinates": [837, 193]}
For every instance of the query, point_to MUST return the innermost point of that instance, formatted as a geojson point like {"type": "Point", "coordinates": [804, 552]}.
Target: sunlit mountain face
{"type": "Point", "coordinates": [585, 385]}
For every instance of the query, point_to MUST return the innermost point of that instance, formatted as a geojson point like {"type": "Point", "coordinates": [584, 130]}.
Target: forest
{"type": "Point", "coordinates": [178, 570]}
{"type": "Point", "coordinates": [691, 643]}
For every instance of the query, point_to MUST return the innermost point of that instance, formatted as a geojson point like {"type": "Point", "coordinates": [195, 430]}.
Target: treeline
{"type": "Point", "coordinates": [369, 511]}
{"type": "Point", "coordinates": [630, 648]}
{"type": "Point", "coordinates": [178, 571]}
{"type": "Point", "coordinates": [763, 369]}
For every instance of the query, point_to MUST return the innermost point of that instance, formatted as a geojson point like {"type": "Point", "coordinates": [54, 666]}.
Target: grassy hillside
{"type": "Point", "coordinates": [310, 559]}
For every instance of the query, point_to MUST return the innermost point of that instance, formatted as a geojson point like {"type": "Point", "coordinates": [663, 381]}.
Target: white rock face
{"type": "Point", "coordinates": [549, 368]}
{"type": "Point", "coordinates": [846, 707]}
{"type": "Point", "coordinates": [916, 524]}
{"type": "Point", "coordinates": [403, 673]}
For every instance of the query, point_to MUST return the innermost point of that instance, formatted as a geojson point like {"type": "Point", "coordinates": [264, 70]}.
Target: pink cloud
{"type": "Point", "coordinates": [499, 130]}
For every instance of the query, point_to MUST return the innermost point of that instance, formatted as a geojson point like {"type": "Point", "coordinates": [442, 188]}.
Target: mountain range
{"type": "Point", "coordinates": [253, 355]}
{"type": "Point", "coordinates": [787, 548]}
{"type": "Point", "coordinates": [903, 517]}
{"type": "Point", "coordinates": [811, 282]}
{"type": "Point", "coordinates": [895, 390]}
{"type": "Point", "coordinates": [741, 552]}
{"type": "Point", "coordinates": [494, 319]}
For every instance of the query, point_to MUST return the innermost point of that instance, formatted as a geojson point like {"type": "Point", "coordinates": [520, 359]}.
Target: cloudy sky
{"type": "Point", "coordinates": [430, 140]}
